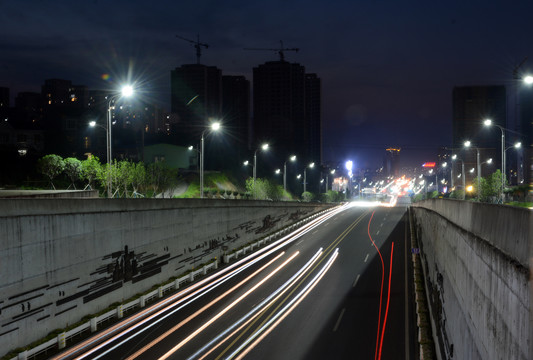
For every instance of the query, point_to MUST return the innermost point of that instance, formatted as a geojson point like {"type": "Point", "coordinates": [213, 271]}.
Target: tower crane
{"type": "Point", "coordinates": [280, 50]}
{"type": "Point", "coordinates": [197, 45]}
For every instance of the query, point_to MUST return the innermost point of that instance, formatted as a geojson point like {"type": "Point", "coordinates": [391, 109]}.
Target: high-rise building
{"type": "Point", "coordinates": [4, 98]}
{"type": "Point", "coordinates": [279, 108]}
{"type": "Point", "coordinates": [392, 162]}
{"type": "Point", "coordinates": [287, 110]}
{"type": "Point", "coordinates": [236, 117]}
{"type": "Point", "coordinates": [196, 96]}
{"type": "Point", "coordinates": [472, 105]}
{"type": "Point", "coordinates": [313, 114]}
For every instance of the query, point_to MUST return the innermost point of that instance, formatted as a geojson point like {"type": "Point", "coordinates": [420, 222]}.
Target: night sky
{"type": "Point", "coordinates": [387, 67]}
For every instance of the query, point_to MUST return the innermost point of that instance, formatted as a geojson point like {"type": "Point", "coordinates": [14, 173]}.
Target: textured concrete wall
{"type": "Point", "coordinates": [61, 259]}
{"type": "Point", "coordinates": [476, 258]}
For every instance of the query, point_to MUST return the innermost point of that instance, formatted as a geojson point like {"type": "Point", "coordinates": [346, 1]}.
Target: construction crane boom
{"type": "Point", "coordinates": [280, 50]}
{"type": "Point", "coordinates": [197, 45]}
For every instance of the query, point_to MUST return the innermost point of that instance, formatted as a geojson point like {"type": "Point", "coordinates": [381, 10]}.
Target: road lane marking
{"type": "Point", "coordinates": [378, 232]}
{"type": "Point", "coordinates": [314, 232]}
{"type": "Point", "coordinates": [326, 224]}
{"type": "Point", "coordinates": [299, 242]}
{"type": "Point", "coordinates": [339, 320]}
{"type": "Point", "coordinates": [366, 258]}
{"type": "Point", "coordinates": [356, 280]}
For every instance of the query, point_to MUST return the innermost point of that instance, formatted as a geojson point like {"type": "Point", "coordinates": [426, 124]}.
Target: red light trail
{"type": "Point", "coordinates": [379, 343]}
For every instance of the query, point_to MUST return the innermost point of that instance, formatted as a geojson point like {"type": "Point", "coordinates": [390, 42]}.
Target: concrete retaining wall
{"type": "Point", "coordinates": [61, 259]}
{"type": "Point", "coordinates": [477, 264]}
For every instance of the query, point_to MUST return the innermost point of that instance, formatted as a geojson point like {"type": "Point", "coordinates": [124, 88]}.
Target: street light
{"type": "Point", "coordinates": [517, 145]}
{"type": "Point", "coordinates": [467, 145]}
{"type": "Point", "coordinates": [311, 165]}
{"type": "Point", "coordinates": [126, 91]}
{"type": "Point", "coordinates": [263, 147]}
{"type": "Point", "coordinates": [327, 178]}
{"type": "Point", "coordinates": [454, 157]}
{"type": "Point", "coordinates": [489, 123]}
{"type": "Point", "coordinates": [191, 148]}
{"type": "Point", "coordinates": [214, 127]}
{"type": "Point", "coordinates": [293, 159]}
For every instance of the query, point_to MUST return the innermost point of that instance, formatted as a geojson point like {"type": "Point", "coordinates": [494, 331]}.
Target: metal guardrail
{"type": "Point", "coordinates": [92, 325]}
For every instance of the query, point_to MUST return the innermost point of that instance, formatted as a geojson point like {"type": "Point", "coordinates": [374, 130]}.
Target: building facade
{"type": "Point", "coordinates": [196, 97]}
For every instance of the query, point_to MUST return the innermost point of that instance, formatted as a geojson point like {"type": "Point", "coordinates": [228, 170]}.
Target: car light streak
{"type": "Point", "coordinates": [388, 300]}
{"type": "Point", "coordinates": [174, 301]}
{"type": "Point", "coordinates": [283, 313]}
{"type": "Point", "coordinates": [181, 304]}
{"type": "Point", "coordinates": [198, 312]}
{"type": "Point", "coordinates": [121, 329]}
{"type": "Point", "coordinates": [256, 310]}
{"type": "Point", "coordinates": [227, 308]}
{"type": "Point", "coordinates": [329, 249]}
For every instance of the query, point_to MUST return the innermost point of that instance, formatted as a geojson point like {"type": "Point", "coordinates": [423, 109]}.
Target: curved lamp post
{"type": "Point", "coordinates": [126, 91]}
{"type": "Point", "coordinates": [311, 165]}
{"type": "Point", "coordinates": [488, 123]}
{"type": "Point", "coordinates": [214, 127]}
{"type": "Point", "coordinates": [263, 147]}
{"type": "Point", "coordinates": [468, 144]}
{"type": "Point", "coordinates": [454, 157]}
{"type": "Point", "coordinates": [293, 159]}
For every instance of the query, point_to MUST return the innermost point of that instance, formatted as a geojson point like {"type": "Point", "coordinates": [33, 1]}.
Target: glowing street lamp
{"type": "Point", "coordinates": [263, 147]}
{"type": "Point", "coordinates": [468, 144]}
{"type": "Point", "coordinates": [454, 157]}
{"type": "Point", "coordinates": [327, 178]}
{"type": "Point", "coordinates": [214, 127]}
{"type": "Point", "coordinates": [311, 165]}
{"type": "Point", "coordinates": [126, 91]}
{"type": "Point", "coordinates": [293, 159]}
{"type": "Point", "coordinates": [488, 123]}
{"type": "Point", "coordinates": [191, 148]}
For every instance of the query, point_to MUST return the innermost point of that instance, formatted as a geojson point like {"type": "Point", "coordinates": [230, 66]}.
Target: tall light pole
{"type": "Point", "coordinates": [214, 127]}
{"type": "Point", "coordinates": [192, 148]}
{"type": "Point", "coordinates": [311, 165]}
{"type": "Point", "coordinates": [488, 122]}
{"type": "Point", "coordinates": [516, 145]}
{"type": "Point", "coordinates": [126, 91]}
{"type": "Point", "coordinates": [467, 145]}
{"type": "Point", "coordinates": [454, 157]}
{"type": "Point", "coordinates": [292, 158]}
{"type": "Point", "coordinates": [444, 165]}
{"type": "Point", "coordinates": [327, 178]}
{"type": "Point", "coordinates": [263, 147]}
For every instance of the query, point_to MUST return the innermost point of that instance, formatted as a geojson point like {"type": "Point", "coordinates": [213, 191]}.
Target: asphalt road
{"type": "Point", "coordinates": [320, 294]}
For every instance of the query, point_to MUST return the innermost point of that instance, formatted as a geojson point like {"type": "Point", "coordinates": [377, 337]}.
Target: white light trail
{"type": "Point", "coordinates": [279, 291]}
{"type": "Point", "coordinates": [226, 309]}
{"type": "Point", "coordinates": [283, 313]}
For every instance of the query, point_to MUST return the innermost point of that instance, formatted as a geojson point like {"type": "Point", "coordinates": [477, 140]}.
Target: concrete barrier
{"type": "Point", "coordinates": [61, 259]}
{"type": "Point", "coordinates": [477, 264]}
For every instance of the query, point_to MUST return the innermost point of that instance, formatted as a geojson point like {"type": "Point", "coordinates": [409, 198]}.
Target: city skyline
{"type": "Point", "coordinates": [387, 70]}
